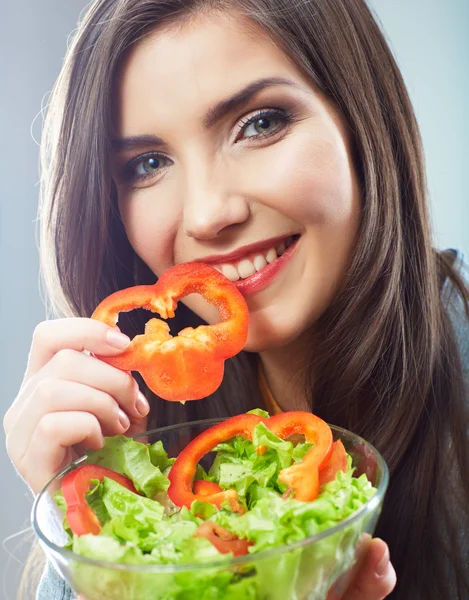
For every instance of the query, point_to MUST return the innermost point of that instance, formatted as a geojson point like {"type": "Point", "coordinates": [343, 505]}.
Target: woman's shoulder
{"type": "Point", "coordinates": [52, 586]}
{"type": "Point", "coordinates": [456, 306]}
{"type": "Point", "coordinates": [461, 268]}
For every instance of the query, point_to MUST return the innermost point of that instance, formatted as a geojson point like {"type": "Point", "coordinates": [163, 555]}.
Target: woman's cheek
{"type": "Point", "coordinates": [306, 178]}
{"type": "Point", "coordinates": [150, 224]}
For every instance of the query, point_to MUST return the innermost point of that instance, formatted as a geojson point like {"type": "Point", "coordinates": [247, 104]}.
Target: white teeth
{"type": "Point", "coordinates": [246, 268]}
{"type": "Point", "coordinates": [231, 272]}
{"type": "Point", "coordinates": [271, 255]}
{"type": "Point", "coordinates": [260, 262]}
{"type": "Point", "coordinates": [281, 249]}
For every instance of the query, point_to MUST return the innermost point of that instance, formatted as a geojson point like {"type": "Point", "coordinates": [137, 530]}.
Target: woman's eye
{"type": "Point", "coordinates": [145, 166]}
{"type": "Point", "coordinates": [264, 124]}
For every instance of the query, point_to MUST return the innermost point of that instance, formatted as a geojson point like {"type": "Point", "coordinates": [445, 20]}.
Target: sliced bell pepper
{"type": "Point", "coordinates": [206, 488]}
{"type": "Point", "coordinates": [190, 365]}
{"type": "Point", "coordinates": [303, 477]}
{"type": "Point", "coordinates": [183, 470]}
{"type": "Point", "coordinates": [80, 516]}
{"type": "Point", "coordinates": [223, 540]}
{"type": "Point", "coordinates": [337, 462]}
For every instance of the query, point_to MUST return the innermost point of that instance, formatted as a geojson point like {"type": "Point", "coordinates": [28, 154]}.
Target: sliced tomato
{"type": "Point", "coordinates": [337, 462]}
{"type": "Point", "coordinates": [223, 540]}
{"type": "Point", "coordinates": [80, 516]}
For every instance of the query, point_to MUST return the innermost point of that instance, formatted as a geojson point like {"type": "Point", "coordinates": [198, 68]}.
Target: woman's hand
{"type": "Point", "coordinates": [374, 577]}
{"type": "Point", "coordinates": [69, 399]}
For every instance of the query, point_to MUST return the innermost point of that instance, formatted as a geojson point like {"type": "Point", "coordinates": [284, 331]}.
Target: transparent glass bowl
{"type": "Point", "coordinates": [320, 566]}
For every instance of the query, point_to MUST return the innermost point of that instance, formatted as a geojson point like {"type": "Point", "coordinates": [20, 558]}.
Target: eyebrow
{"type": "Point", "coordinates": [127, 144]}
{"type": "Point", "coordinates": [213, 115]}
{"type": "Point", "coordinates": [241, 98]}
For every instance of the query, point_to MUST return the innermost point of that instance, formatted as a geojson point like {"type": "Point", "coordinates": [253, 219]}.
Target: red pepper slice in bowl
{"type": "Point", "coordinates": [80, 516]}
{"type": "Point", "coordinates": [188, 366]}
{"type": "Point", "coordinates": [206, 488]}
{"type": "Point", "coordinates": [302, 479]}
{"type": "Point", "coordinates": [337, 462]}
{"type": "Point", "coordinates": [182, 472]}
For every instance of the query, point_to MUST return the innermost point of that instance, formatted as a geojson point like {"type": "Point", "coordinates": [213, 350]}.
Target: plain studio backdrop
{"type": "Point", "coordinates": [429, 39]}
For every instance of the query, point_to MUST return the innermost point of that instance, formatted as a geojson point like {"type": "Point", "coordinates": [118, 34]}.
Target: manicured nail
{"type": "Point", "coordinates": [124, 420]}
{"type": "Point", "coordinates": [142, 405]}
{"type": "Point", "coordinates": [117, 339]}
{"type": "Point", "coordinates": [383, 564]}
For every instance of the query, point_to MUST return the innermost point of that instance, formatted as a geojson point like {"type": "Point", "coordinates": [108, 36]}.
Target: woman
{"type": "Point", "coordinates": [275, 141]}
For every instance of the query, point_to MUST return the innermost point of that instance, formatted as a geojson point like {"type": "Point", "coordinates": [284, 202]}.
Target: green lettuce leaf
{"type": "Point", "coordinates": [134, 460]}
{"type": "Point", "coordinates": [259, 412]}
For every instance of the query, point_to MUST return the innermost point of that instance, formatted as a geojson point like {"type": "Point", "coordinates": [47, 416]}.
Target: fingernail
{"type": "Point", "coordinates": [383, 564]}
{"type": "Point", "coordinates": [142, 405]}
{"type": "Point", "coordinates": [124, 420]}
{"type": "Point", "coordinates": [117, 339]}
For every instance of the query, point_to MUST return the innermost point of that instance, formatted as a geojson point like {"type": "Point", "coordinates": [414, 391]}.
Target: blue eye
{"type": "Point", "coordinates": [259, 127]}
{"type": "Point", "coordinates": [149, 165]}
{"type": "Point", "coordinates": [264, 123]}
{"type": "Point", "coordinates": [145, 166]}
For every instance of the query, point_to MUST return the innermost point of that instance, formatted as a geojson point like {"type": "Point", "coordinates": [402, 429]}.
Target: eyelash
{"type": "Point", "coordinates": [284, 118]}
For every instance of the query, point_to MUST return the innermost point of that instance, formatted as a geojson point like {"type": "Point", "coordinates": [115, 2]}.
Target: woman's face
{"type": "Point", "coordinates": [228, 155]}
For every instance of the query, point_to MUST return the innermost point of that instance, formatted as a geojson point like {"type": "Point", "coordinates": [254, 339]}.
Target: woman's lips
{"type": "Point", "coordinates": [263, 278]}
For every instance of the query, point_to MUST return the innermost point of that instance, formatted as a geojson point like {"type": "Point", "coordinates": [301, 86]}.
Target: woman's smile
{"type": "Point", "coordinates": [253, 267]}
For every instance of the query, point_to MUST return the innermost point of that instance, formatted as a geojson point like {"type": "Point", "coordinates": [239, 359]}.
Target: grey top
{"type": "Point", "coordinates": [53, 587]}
{"type": "Point", "coordinates": [453, 301]}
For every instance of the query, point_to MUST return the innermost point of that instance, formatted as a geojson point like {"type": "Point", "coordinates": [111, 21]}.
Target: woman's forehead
{"type": "Point", "coordinates": [192, 67]}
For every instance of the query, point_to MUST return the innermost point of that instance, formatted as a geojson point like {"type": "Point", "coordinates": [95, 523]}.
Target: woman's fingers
{"type": "Point", "coordinates": [71, 365]}
{"type": "Point", "coordinates": [139, 425]}
{"type": "Point", "coordinates": [55, 395]}
{"type": "Point", "coordinates": [376, 577]}
{"type": "Point", "coordinates": [52, 442]}
{"type": "Point", "coordinates": [69, 398]}
{"type": "Point", "coordinates": [75, 334]}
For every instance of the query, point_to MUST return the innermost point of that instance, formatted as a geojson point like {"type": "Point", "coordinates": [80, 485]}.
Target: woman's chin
{"type": "Point", "coordinates": [267, 339]}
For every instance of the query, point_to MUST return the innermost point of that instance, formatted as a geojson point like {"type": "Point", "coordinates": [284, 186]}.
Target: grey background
{"type": "Point", "coordinates": [430, 41]}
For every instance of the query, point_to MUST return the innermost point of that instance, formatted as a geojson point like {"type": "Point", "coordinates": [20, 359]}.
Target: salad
{"type": "Point", "coordinates": [133, 504]}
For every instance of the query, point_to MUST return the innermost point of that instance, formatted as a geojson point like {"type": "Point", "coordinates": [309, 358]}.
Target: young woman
{"type": "Point", "coordinates": [236, 132]}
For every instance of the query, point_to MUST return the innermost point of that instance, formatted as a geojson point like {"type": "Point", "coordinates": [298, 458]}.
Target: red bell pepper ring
{"type": "Point", "coordinates": [190, 365]}
{"type": "Point", "coordinates": [183, 470]}
{"type": "Point", "coordinates": [80, 516]}
{"type": "Point", "coordinates": [223, 540]}
{"type": "Point", "coordinates": [303, 477]}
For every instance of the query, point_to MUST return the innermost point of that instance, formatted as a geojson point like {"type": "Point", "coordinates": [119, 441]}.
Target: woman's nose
{"type": "Point", "coordinates": [210, 209]}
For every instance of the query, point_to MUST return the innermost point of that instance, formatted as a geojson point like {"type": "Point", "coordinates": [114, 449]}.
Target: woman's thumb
{"type": "Point", "coordinates": [376, 578]}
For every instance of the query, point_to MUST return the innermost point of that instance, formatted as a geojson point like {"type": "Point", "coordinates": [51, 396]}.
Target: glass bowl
{"type": "Point", "coordinates": [316, 568]}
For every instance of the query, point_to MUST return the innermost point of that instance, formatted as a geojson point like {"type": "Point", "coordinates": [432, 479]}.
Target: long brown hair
{"type": "Point", "coordinates": [384, 360]}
